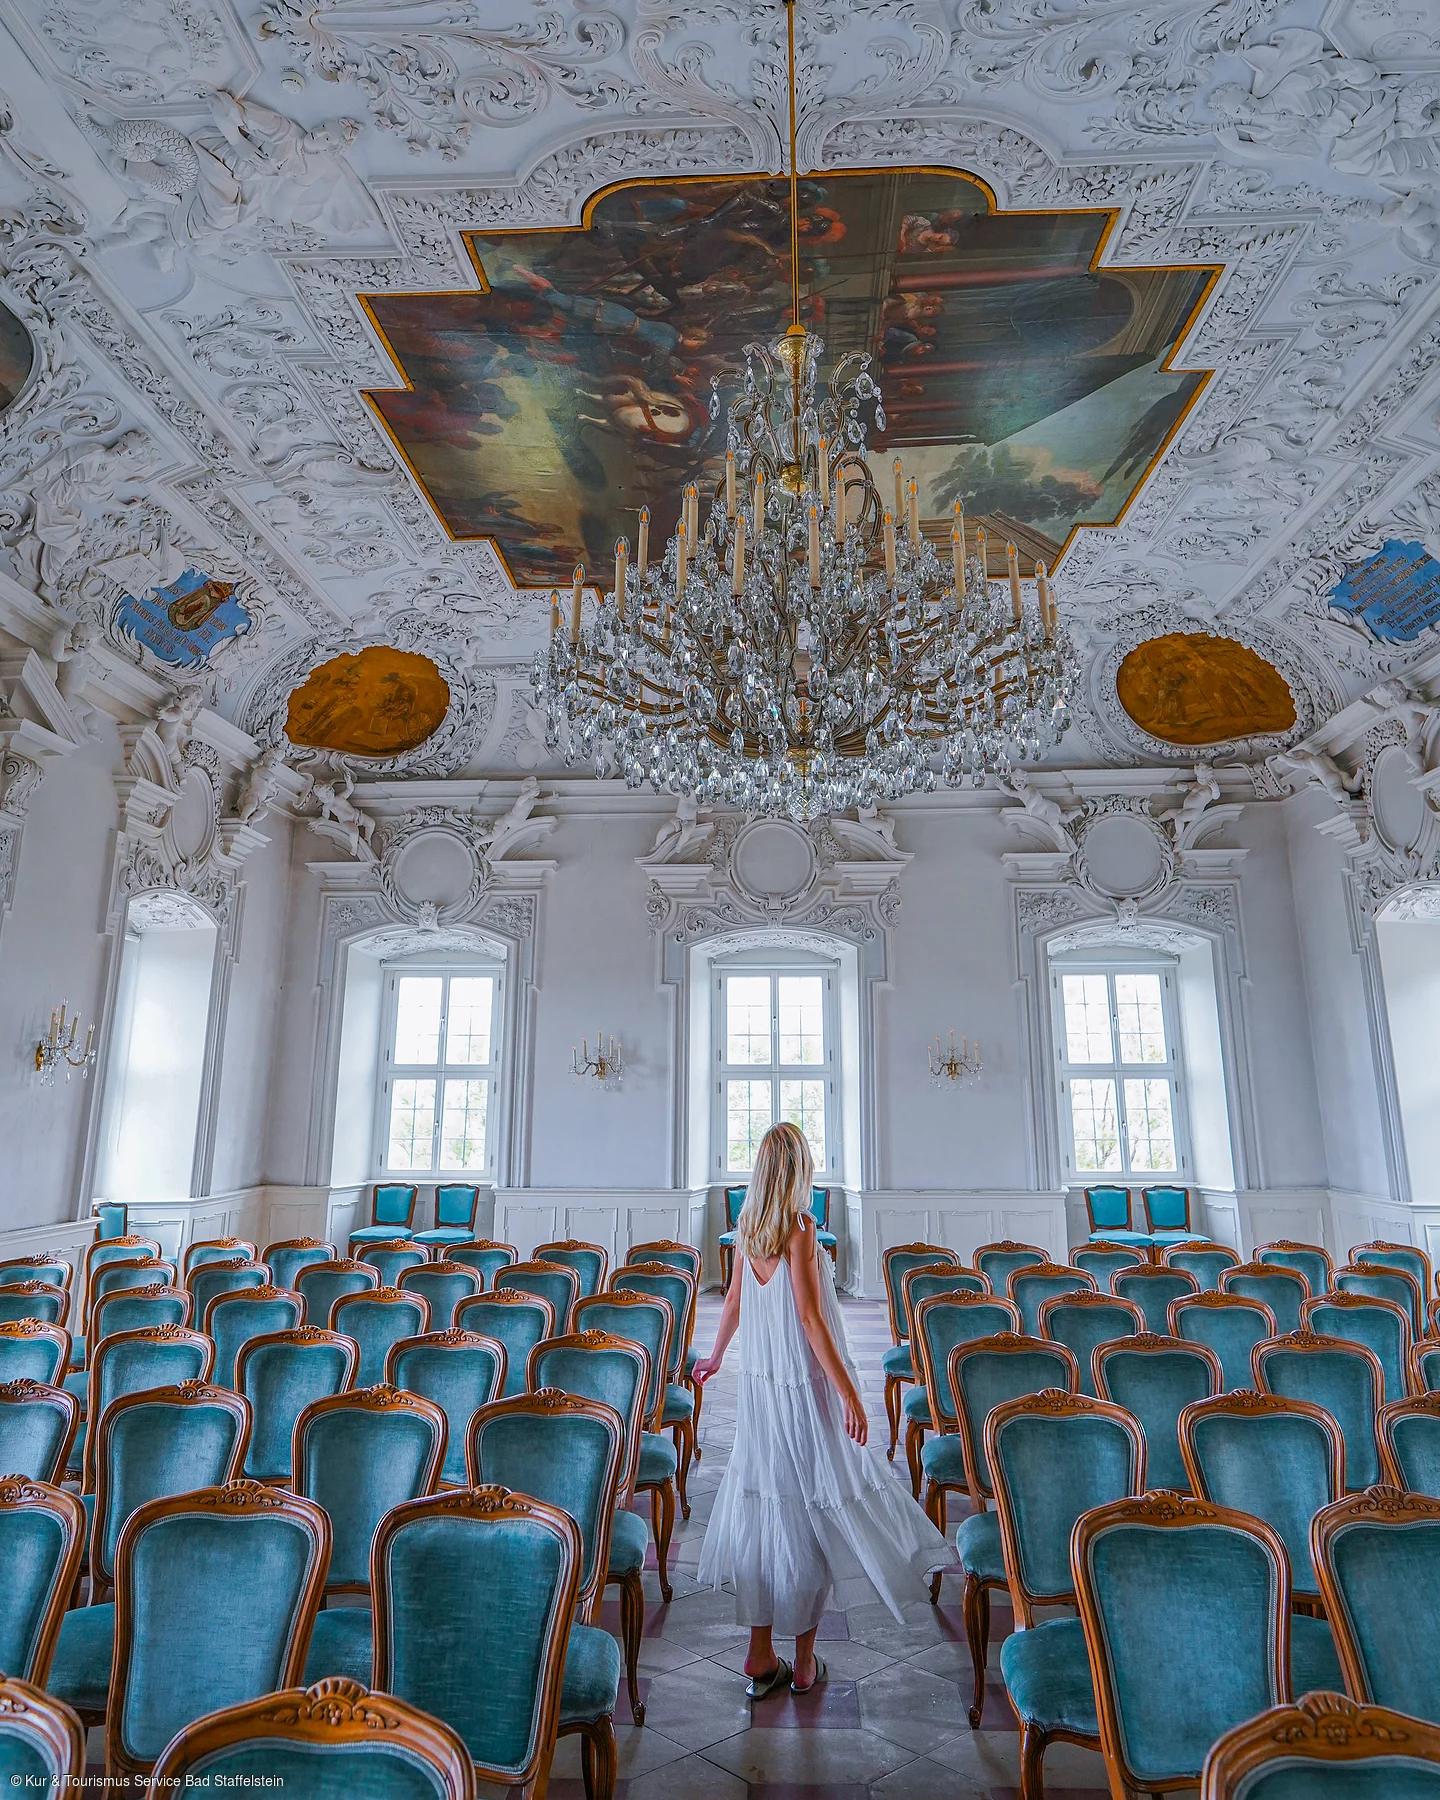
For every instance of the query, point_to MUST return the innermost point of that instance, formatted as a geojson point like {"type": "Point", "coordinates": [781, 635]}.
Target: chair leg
{"type": "Point", "coordinates": [697, 1388]}
{"type": "Point", "coordinates": [892, 1412]}
{"type": "Point", "coordinates": [632, 1627]}
{"type": "Point", "coordinates": [662, 1523]}
{"type": "Point", "coordinates": [681, 1436]}
{"type": "Point", "coordinates": [597, 1758]}
{"type": "Point", "coordinates": [935, 1511]}
{"type": "Point", "coordinates": [1032, 1762]}
{"type": "Point", "coordinates": [727, 1264]}
{"type": "Point", "coordinates": [914, 1441]}
{"type": "Point", "coordinates": [976, 1606]}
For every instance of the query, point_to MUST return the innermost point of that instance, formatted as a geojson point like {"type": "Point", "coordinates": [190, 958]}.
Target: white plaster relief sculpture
{"type": "Point", "coordinates": [341, 819]}
{"type": "Point", "coordinates": [261, 786]}
{"type": "Point", "coordinates": [1187, 821]}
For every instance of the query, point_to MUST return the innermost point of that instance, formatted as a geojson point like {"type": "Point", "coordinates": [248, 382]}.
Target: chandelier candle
{"type": "Point", "coordinates": [642, 549]}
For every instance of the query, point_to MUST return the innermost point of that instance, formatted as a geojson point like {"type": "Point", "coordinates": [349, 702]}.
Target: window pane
{"type": "Point", "coordinates": [462, 1125]}
{"type": "Point", "coordinates": [1141, 1018]}
{"type": "Point", "coordinates": [1087, 1018]}
{"type": "Point", "coordinates": [412, 1125]}
{"type": "Point", "coordinates": [1097, 1134]}
{"type": "Point", "coordinates": [417, 1023]}
{"type": "Point", "coordinates": [467, 1033]}
{"type": "Point", "coordinates": [1150, 1127]}
{"type": "Point", "coordinates": [747, 1119]}
{"type": "Point", "coordinates": [803, 1104]}
{"type": "Point", "coordinates": [802, 1019]}
{"type": "Point", "coordinates": [747, 1023]}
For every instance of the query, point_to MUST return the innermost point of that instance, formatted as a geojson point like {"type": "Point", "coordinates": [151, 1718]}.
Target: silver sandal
{"type": "Point", "coordinates": [820, 1673]}
{"type": "Point", "coordinates": [782, 1675]}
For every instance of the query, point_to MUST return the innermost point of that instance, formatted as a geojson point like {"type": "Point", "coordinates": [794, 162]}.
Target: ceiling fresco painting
{"type": "Point", "coordinates": [1018, 378]}
{"type": "Point", "coordinates": [1192, 688]}
{"type": "Point", "coordinates": [378, 702]}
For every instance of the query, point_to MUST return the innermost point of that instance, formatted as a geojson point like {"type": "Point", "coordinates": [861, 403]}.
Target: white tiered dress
{"type": "Point", "coordinates": [805, 1518]}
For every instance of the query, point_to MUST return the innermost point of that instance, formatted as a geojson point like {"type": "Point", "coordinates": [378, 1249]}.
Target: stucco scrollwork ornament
{"type": "Point", "coordinates": [1121, 853]}
{"type": "Point", "coordinates": [440, 866]}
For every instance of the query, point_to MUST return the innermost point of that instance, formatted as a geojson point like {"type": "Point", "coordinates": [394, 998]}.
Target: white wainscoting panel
{"type": "Point", "coordinates": [614, 1218]}
{"type": "Point", "coordinates": [961, 1220]}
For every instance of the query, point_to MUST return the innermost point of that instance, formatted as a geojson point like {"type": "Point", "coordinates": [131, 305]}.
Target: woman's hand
{"type": "Point", "coordinates": [857, 1425]}
{"type": "Point", "coordinates": [704, 1369]}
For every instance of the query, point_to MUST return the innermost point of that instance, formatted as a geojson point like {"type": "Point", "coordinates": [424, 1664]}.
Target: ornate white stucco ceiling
{"type": "Point", "coordinates": [194, 193]}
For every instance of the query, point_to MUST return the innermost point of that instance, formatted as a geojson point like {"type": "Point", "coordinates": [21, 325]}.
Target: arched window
{"type": "Point", "coordinates": [775, 1036]}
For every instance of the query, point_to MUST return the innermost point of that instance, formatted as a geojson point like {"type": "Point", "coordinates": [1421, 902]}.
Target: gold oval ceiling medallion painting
{"type": "Point", "coordinates": [378, 702]}
{"type": "Point", "coordinates": [1191, 688]}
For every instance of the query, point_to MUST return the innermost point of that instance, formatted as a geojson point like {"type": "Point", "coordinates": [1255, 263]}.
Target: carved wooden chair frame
{"type": "Point", "coordinates": [1415, 1294]}
{"type": "Point", "coordinates": [894, 1383]}
{"type": "Point", "coordinates": [40, 1328]}
{"type": "Point", "coordinates": [1306, 1343]}
{"type": "Point", "coordinates": [1419, 1350]}
{"type": "Point", "coordinates": [1129, 1192]}
{"type": "Point", "coordinates": [159, 1292]}
{"type": "Point", "coordinates": [130, 1240]}
{"type": "Point", "coordinates": [533, 1266]}
{"type": "Point", "coordinates": [920, 1352]}
{"type": "Point", "coordinates": [338, 1265]}
{"type": "Point", "coordinates": [1156, 1272]}
{"type": "Point", "coordinates": [1103, 1247]}
{"type": "Point", "coordinates": [449, 1337]}
{"type": "Point", "coordinates": [394, 1247]}
{"type": "Point", "coordinates": [301, 1336]}
{"type": "Point", "coordinates": [408, 1222]}
{"type": "Point", "coordinates": [1006, 1247]}
{"type": "Point", "coordinates": [1151, 1343]}
{"type": "Point", "coordinates": [45, 1290]}
{"type": "Point", "coordinates": [1048, 1270]}
{"type": "Point", "coordinates": [1287, 1245]}
{"type": "Point", "coordinates": [18, 1494]}
{"type": "Point", "coordinates": [1344, 1302]}
{"type": "Point", "coordinates": [242, 1247]}
{"type": "Point", "coordinates": [25, 1393]}
{"type": "Point", "coordinates": [1099, 1297]}
{"type": "Point", "coordinates": [52, 1721]}
{"type": "Point", "coordinates": [484, 1244]}
{"type": "Point", "coordinates": [1385, 1508]}
{"type": "Point", "coordinates": [1213, 1297]}
{"type": "Point", "coordinates": [384, 1296]}
{"type": "Point", "coordinates": [442, 1265]}
{"type": "Point", "coordinates": [1414, 1405]}
{"type": "Point", "coordinates": [1268, 1272]}
{"type": "Point", "coordinates": [300, 1243]}
{"type": "Point", "coordinates": [1320, 1728]}
{"type": "Point", "coordinates": [1409, 1249]}
{"type": "Point", "coordinates": [683, 1431]}
{"type": "Point", "coordinates": [1208, 1245]}
{"type": "Point", "coordinates": [162, 1334]}
{"type": "Point", "coordinates": [45, 1259]}
{"type": "Point", "coordinates": [580, 1244]}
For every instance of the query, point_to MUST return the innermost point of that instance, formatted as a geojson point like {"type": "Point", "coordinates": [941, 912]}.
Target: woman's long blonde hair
{"type": "Point", "coordinates": [779, 1192]}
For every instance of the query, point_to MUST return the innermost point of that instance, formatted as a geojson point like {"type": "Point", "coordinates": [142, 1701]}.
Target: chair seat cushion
{"type": "Point", "coordinates": [627, 1544]}
{"type": "Point", "coordinates": [658, 1461]}
{"type": "Point", "coordinates": [340, 1644]}
{"type": "Point", "coordinates": [898, 1361]}
{"type": "Point", "coordinates": [1047, 1675]}
{"type": "Point", "coordinates": [444, 1234]}
{"type": "Point", "coordinates": [1314, 1664]}
{"type": "Point", "coordinates": [592, 1675]}
{"type": "Point", "coordinates": [77, 1382]}
{"type": "Point", "coordinates": [727, 1238]}
{"type": "Point", "coordinates": [917, 1407]}
{"type": "Point", "coordinates": [77, 1454]}
{"type": "Point", "coordinates": [679, 1404]}
{"type": "Point", "coordinates": [1168, 1236]}
{"type": "Point", "coordinates": [943, 1460]}
{"type": "Point", "coordinates": [827, 1239]}
{"type": "Point", "coordinates": [978, 1541]}
{"type": "Point", "coordinates": [692, 1356]}
{"type": "Point", "coordinates": [1140, 1238]}
{"type": "Point", "coordinates": [380, 1234]}
{"type": "Point", "coordinates": [77, 1352]}
{"type": "Point", "coordinates": [80, 1673]}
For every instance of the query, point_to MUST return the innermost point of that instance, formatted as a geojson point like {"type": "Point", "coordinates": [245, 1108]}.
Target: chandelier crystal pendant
{"type": "Point", "coordinates": [801, 648]}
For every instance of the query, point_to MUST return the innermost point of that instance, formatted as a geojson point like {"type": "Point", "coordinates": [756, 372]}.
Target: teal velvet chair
{"type": "Point", "coordinates": [1378, 1282]}
{"type": "Point", "coordinates": [42, 1540]}
{"type": "Point", "coordinates": [734, 1200]}
{"type": "Point", "coordinates": [1228, 1324]}
{"type": "Point", "coordinates": [1053, 1456]}
{"type": "Point", "coordinates": [551, 1281]}
{"type": "Point", "coordinates": [591, 1262]}
{"type": "Point", "coordinates": [129, 1362]}
{"type": "Point", "coordinates": [1343, 1378]}
{"type": "Point", "coordinates": [1206, 1262]}
{"type": "Point", "coordinates": [281, 1374]}
{"type": "Point", "coordinates": [596, 1365]}
{"type": "Point", "coordinates": [1310, 1260]}
{"type": "Point", "coordinates": [982, 1375]}
{"type": "Point", "coordinates": [998, 1262]}
{"type": "Point", "coordinates": [1108, 1208]}
{"type": "Point", "coordinates": [289, 1256]}
{"type": "Point", "coordinates": [391, 1259]}
{"type": "Point", "coordinates": [1377, 1555]}
{"type": "Point", "coordinates": [53, 1269]}
{"type": "Point", "coordinates": [820, 1213]}
{"type": "Point", "coordinates": [1283, 1290]}
{"type": "Point", "coordinates": [126, 1273]}
{"type": "Point", "coordinates": [392, 1213]}
{"type": "Point", "coordinates": [444, 1285]}
{"type": "Point", "coordinates": [42, 1743]}
{"type": "Point", "coordinates": [1325, 1747]}
{"type": "Point", "coordinates": [214, 1278]}
{"type": "Point", "coordinates": [940, 1322]}
{"type": "Point", "coordinates": [1409, 1257]}
{"type": "Point", "coordinates": [897, 1362]}
{"type": "Point", "coordinates": [1425, 1366]}
{"type": "Point", "coordinates": [456, 1204]}
{"type": "Point", "coordinates": [1280, 1460]}
{"type": "Point", "coordinates": [1082, 1321]}
{"type": "Point", "coordinates": [919, 1281]}
{"type": "Point", "coordinates": [460, 1371]}
{"type": "Point", "coordinates": [111, 1219]}
{"type": "Point", "coordinates": [444, 1570]}
{"type": "Point", "coordinates": [678, 1415]}
{"type": "Point", "coordinates": [125, 1248]}
{"type": "Point", "coordinates": [486, 1257]}
{"type": "Point", "coordinates": [515, 1319]}
{"type": "Point", "coordinates": [357, 1455]}
{"type": "Point", "coordinates": [34, 1300]}
{"type": "Point", "coordinates": [208, 1250]}
{"type": "Point", "coordinates": [1102, 1259]}
{"type": "Point", "coordinates": [37, 1427]}
{"type": "Point", "coordinates": [1381, 1325]}
{"type": "Point", "coordinates": [675, 1255]}
{"type": "Point", "coordinates": [1027, 1288]}
{"type": "Point", "coordinates": [1409, 1434]}
{"type": "Point", "coordinates": [233, 1319]}
{"type": "Point", "coordinates": [251, 1556]}
{"type": "Point", "coordinates": [376, 1321]}
{"type": "Point", "coordinates": [1155, 1378]}
{"type": "Point", "coordinates": [31, 1350]}
{"type": "Point", "coordinates": [323, 1283]}
{"type": "Point", "coordinates": [1186, 1611]}
{"type": "Point", "coordinates": [333, 1741]}
{"type": "Point", "coordinates": [134, 1308]}
{"type": "Point", "coordinates": [1152, 1290]}
{"type": "Point", "coordinates": [1167, 1214]}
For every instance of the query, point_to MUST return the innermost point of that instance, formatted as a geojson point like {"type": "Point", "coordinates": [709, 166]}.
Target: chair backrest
{"type": "Point", "coordinates": [661, 1283]}
{"type": "Point", "coordinates": [133, 1307]}
{"type": "Point", "coordinates": [42, 1539]}
{"type": "Point", "coordinates": [156, 1443]}
{"type": "Point", "coordinates": [376, 1321]}
{"type": "Point", "coordinates": [485, 1256]}
{"type": "Point", "coordinates": [281, 1374]}
{"type": "Point", "coordinates": [1186, 1612]}
{"type": "Point", "coordinates": [126, 1248]}
{"type": "Point", "coordinates": [34, 1300]}
{"type": "Point", "coordinates": [1325, 1747]}
{"type": "Point", "coordinates": [1228, 1324]}
{"type": "Point", "coordinates": [820, 1207]}
{"type": "Point", "coordinates": [644, 1319]}
{"type": "Point", "coordinates": [215, 1278]}
{"type": "Point", "coordinates": [1380, 1282]}
{"type": "Point", "coordinates": [111, 1219]}
{"type": "Point", "coordinates": [942, 1322]}
{"type": "Point", "coordinates": [456, 1203]}
{"type": "Point", "coordinates": [551, 1281]}
{"type": "Point", "coordinates": [997, 1262]}
{"type": "Point", "coordinates": [895, 1264]}
{"type": "Point", "coordinates": [333, 1738]}
{"type": "Point", "coordinates": [444, 1285]}
{"type": "Point", "coordinates": [393, 1203]}
{"type": "Point", "coordinates": [1310, 1260]}
{"type": "Point", "coordinates": [53, 1269]}
{"type": "Point", "coordinates": [1377, 1555]}
{"type": "Point", "coordinates": [1052, 1456]}
{"type": "Point", "coordinates": [1283, 1290]}
{"type": "Point", "coordinates": [1166, 1208]}
{"type": "Point", "coordinates": [323, 1283]}
{"type": "Point", "coordinates": [1382, 1325]}
{"type": "Point", "coordinates": [1028, 1287]}
{"type": "Point", "coordinates": [129, 1362]}
{"type": "Point", "coordinates": [42, 1743]}
{"type": "Point", "coordinates": [992, 1369]}
{"type": "Point", "coordinates": [31, 1350]}
{"type": "Point", "coordinates": [207, 1250]}
{"type": "Point", "coordinates": [1108, 1207]}
{"type": "Point", "coordinates": [1280, 1460]}
{"type": "Point", "coordinates": [734, 1200]}
{"type": "Point", "coordinates": [591, 1262]}
{"type": "Point", "coordinates": [1424, 1368]}
{"type": "Point", "coordinates": [287, 1258]}
{"type": "Point", "coordinates": [1155, 1378]}
{"type": "Point", "coordinates": [358, 1454]}
{"type": "Point", "coordinates": [444, 1570]}
{"type": "Point", "coordinates": [460, 1371]}
{"type": "Point", "coordinates": [233, 1319]}
{"type": "Point", "coordinates": [515, 1319]}
{"type": "Point", "coordinates": [37, 1427]}
{"type": "Point", "coordinates": [1409, 1434]}
{"type": "Point", "coordinates": [563, 1449]}
{"type": "Point", "coordinates": [1152, 1290]}
{"type": "Point", "coordinates": [598, 1365]}
{"type": "Point", "coordinates": [390, 1260]}
{"type": "Point", "coordinates": [242, 1551]}
{"type": "Point", "coordinates": [1102, 1260]}
{"type": "Point", "coordinates": [1343, 1378]}
{"type": "Point", "coordinates": [1081, 1321]}
{"type": "Point", "coordinates": [667, 1250]}
{"type": "Point", "coordinates": [1395, 1256]}
{"type": "Point", "coordinates": [129, 1272]}
{"type": "Point", "coordinates": [1204, 1261]}
{"type": "Point", "coordinates": [930, 1279]}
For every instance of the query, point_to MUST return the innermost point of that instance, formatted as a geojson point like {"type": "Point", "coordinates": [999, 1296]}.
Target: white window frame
{"type": "Point", "coordinates": [775, 1071]}
{"type": "Point", "coordinates": [388, 1070]}
{"type": "Point", "coordinates": [1172, 1070]}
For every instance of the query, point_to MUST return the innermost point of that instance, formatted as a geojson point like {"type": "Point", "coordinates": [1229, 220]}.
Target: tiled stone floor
{"type": "Point", "coordinates": [890, 1723]}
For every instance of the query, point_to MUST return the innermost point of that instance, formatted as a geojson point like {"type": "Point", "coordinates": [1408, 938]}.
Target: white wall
{"type": "Point", "coordinates": [1213, 1161]}
{"type": "Point", "coordinates": [353, 1158]}
{"type": "Point", "coordinates": [1410, 957]}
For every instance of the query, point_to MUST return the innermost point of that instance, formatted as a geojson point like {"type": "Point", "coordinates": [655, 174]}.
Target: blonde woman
{"type": "Point", "coordinates": [805, 1516]}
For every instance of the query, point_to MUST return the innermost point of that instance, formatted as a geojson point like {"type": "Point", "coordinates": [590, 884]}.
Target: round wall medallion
{"type": "Point", "coordinates": [773, 863]}
{"type": "Point", "coordinates": [1396, 806]}
{"type": "Point", "coordinates": [434, 866]}
{"type": "Point", "coordinates": [192, 818]}
{"type": "Point", "coordinates": [378, 702]}
{"type": "Point", "coordinates": [1191, 688]}
{"type": "Point", "coordinates": [1124, 858]}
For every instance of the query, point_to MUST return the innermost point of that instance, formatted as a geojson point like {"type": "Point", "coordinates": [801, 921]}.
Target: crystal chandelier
{"type": "Point", "coordinates": [800, 647]}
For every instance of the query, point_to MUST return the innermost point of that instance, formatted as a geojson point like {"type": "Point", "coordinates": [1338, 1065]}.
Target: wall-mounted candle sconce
{"type": "Point", "coordinates": [606, 1065]}
{"type": "Point", "coordinates": [947, 1063]}
{"type": "Point", "coordinates": [57, 1051]}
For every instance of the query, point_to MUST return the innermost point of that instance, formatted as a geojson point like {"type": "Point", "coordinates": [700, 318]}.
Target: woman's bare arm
{"type": "Point", "coordinates": [728, 1326]}
{"type": "Point", "coordinates": [805, 1281]}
